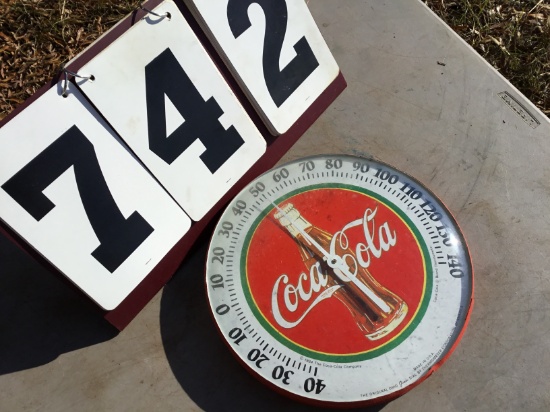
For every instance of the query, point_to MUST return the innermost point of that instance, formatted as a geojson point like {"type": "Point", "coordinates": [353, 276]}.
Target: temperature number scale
{"type": "Point", "coordinates": [339, 280]}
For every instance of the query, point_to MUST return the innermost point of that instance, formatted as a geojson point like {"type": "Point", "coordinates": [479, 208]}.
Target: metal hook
{"type": "Point", "coordinates": [66, 73]}
{"type": "Point", "coordinates": [165, 15]}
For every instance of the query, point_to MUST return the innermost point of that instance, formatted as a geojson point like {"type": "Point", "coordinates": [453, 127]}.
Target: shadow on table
{"type": "Point", "coordinates": [200, 361]}
{"type": "Point", "coordinates": [41, 317]}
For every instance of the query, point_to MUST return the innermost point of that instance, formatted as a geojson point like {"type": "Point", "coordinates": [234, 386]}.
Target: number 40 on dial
{"type": "Point", "coordinates": [276, 52]}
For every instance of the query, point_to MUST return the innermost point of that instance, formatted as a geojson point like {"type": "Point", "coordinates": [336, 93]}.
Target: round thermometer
{"type": "Point", "coordinates": [339, 280]}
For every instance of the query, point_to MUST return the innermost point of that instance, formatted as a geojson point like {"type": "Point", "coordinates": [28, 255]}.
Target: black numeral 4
{"type": "Point", "coordinates": [165, 76]}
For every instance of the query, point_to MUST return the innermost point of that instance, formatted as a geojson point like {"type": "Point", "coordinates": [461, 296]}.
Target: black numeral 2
{"type": "Point", "coordinates": [164, 75]}
{"type": "Point", "coordinates": [280, 83]}
{"type": "Point", "coordinates": [119, 237]}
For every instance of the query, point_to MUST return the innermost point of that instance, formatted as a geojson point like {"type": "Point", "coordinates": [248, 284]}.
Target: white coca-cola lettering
{"type": "Point", "coordinates": [386, 239]}
{"type": "Point", "coordinates": [292, 295]}
{"type": "Point", "coordinates": [377, 240]}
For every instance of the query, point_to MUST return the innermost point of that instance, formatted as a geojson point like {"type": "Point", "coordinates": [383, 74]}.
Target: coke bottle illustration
{"type": "Point", "coordinates": [376, 310]}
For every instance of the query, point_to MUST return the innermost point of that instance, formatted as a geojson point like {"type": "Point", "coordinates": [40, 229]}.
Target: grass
{"type": "Point", "coordinates": [513, 36]}
{"type": "Point", "coordinates": [38, 36]}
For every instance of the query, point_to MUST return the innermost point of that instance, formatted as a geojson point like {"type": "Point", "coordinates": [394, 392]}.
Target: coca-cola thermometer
{"type": "Point", "coordinates": [339, 280]}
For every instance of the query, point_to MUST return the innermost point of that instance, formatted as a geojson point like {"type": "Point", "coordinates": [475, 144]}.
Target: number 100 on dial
{"type": "Point", "coordinates": [275, 51]}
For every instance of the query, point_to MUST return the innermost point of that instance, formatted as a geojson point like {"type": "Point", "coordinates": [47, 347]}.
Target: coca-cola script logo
{"type": "Point", "coordinates": [336, 272]}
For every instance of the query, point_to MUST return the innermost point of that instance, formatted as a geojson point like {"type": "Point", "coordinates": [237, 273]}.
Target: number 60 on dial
{"type": "Point", "coordinates": [276, 52]}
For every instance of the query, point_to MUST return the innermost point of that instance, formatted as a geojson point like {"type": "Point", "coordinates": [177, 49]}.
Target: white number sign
{"type": "Point", "coordinates": [72, 190]}
{"type": "Point", "coordinates": [161, 92]}
{"type": "Point", "coordinates": [274, 49]}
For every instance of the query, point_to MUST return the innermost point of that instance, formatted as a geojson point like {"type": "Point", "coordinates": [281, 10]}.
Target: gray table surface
{"type": "Point", "coordinates": [418, 98]}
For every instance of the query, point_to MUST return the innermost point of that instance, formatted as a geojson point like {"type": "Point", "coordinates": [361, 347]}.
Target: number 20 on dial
{"type": "Point", "coordinates": [276, 52]}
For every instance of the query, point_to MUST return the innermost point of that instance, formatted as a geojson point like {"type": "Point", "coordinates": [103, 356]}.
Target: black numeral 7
{"type": "Point", "coordinates": [119, 237]}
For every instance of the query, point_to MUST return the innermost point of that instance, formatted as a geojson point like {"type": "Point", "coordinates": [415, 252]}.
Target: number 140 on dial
{"type": "Point", "coordinates": [275, 51]}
